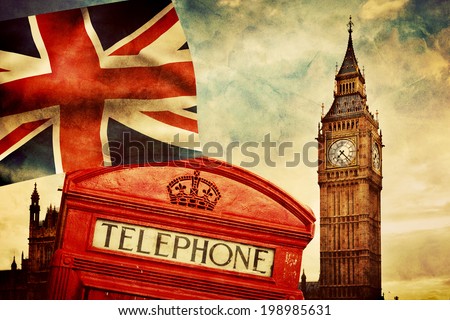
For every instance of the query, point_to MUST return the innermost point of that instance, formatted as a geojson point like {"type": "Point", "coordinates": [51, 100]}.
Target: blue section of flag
{"type": "Point", "coordinates": [192, 109]}
{"type": "Point", "coordinates": [114, 22]}
{"type": "Point", "coordinates": [15, 36]}
{"type": "Point", "coordinates": [32, 160]}
{"type": "Point", "coordinates": [127, 146]}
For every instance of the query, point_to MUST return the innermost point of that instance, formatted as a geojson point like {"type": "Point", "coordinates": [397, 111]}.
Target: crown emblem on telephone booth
{"type": "Point", "coordinates": [193, 191]}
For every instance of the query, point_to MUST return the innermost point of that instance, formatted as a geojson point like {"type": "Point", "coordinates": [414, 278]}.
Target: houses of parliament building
{"type": "Point", "coordinates": [30, 281]}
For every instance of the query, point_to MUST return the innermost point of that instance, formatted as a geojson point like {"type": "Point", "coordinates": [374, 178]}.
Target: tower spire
{"type": "Point", "coordinates": [349, 83]}
{"type": "Point", "coordinates": [35, 195]}
{"type": "Point", "coordinates": [34, 207]}
{"type": "Point", "coordinates": [350, 63]}
{"type": "Point", "coordinates": [350, 24]}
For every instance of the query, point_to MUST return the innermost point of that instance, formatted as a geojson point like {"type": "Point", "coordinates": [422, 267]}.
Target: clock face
{"type": "Point", "coordinates": [342, 153]}
{"type": "Point", "coordinates": [376, 162]}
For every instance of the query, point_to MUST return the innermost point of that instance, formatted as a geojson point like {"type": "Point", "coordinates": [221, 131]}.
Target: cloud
{"type": "Point", "coordinates": [384, 9]}
{"type": "Point", "coordinates": [229, 3]}
{"type": "Point", "coordinates": [416, 255]}
{"type": "Point", "coordinates": [441, 42]}
{"type": "Point", "coordinates": [432, 288]}
{"type": "Point", "coordinates": [23, 173]}
{"type": "Point", "coordinates": [434, 211]}
{"type": "Point", "coordinates": [410, 64]}
{"type": "Point", "coordinates": [407, 81]}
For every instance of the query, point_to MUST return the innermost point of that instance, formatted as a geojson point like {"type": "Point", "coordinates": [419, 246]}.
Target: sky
{"type": "Point", "coordinates": [264, 68]}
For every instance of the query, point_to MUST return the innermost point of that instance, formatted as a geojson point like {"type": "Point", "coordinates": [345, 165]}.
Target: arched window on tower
{"type": "Point", "coordinates": [38, 258]}
{"type": "Point", "coordinates": [48, 254]}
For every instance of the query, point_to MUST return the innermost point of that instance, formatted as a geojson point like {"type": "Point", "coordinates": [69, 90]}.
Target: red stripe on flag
{"type": "Point", "coordinates": [150, 35]}
{"type": "Point", "coordinates": [173, 119]}
{"type": "Point", "coordinates": [170, 80]}
{"type": "Point", "coordinates": [80, 142]}
{"type": "Point", "coordinates": [19, 133]}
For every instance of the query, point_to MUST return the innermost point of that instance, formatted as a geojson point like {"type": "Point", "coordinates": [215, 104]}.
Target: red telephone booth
{"type": "Point", "coordinates": [197, 229]}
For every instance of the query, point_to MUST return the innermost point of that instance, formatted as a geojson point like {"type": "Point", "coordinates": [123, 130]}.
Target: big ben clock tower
{"type": "Point", "coordinates": [350, 187]}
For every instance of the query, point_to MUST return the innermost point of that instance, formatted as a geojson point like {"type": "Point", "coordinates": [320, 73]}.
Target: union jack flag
{"type": "Point", "coordinates": [105, 85]}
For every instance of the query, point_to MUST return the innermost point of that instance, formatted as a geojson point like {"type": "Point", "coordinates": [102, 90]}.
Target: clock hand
{"type": "Point", "coordinates": [341, 152]}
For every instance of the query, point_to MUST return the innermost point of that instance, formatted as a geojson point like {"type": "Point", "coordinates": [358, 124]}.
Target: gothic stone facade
{"type": "Point", "coordinates": [30, 281]}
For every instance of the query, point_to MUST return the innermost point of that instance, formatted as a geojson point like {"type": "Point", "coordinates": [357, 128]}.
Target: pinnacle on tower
{"type": "Point", "coordinates": [35, 195]}
{"type": "Point", "coordinates": [34, 207]}
{"type": "Point", "coordinates": [350, 24]}
{"type": "Point", "coordinates": [14, 264]}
